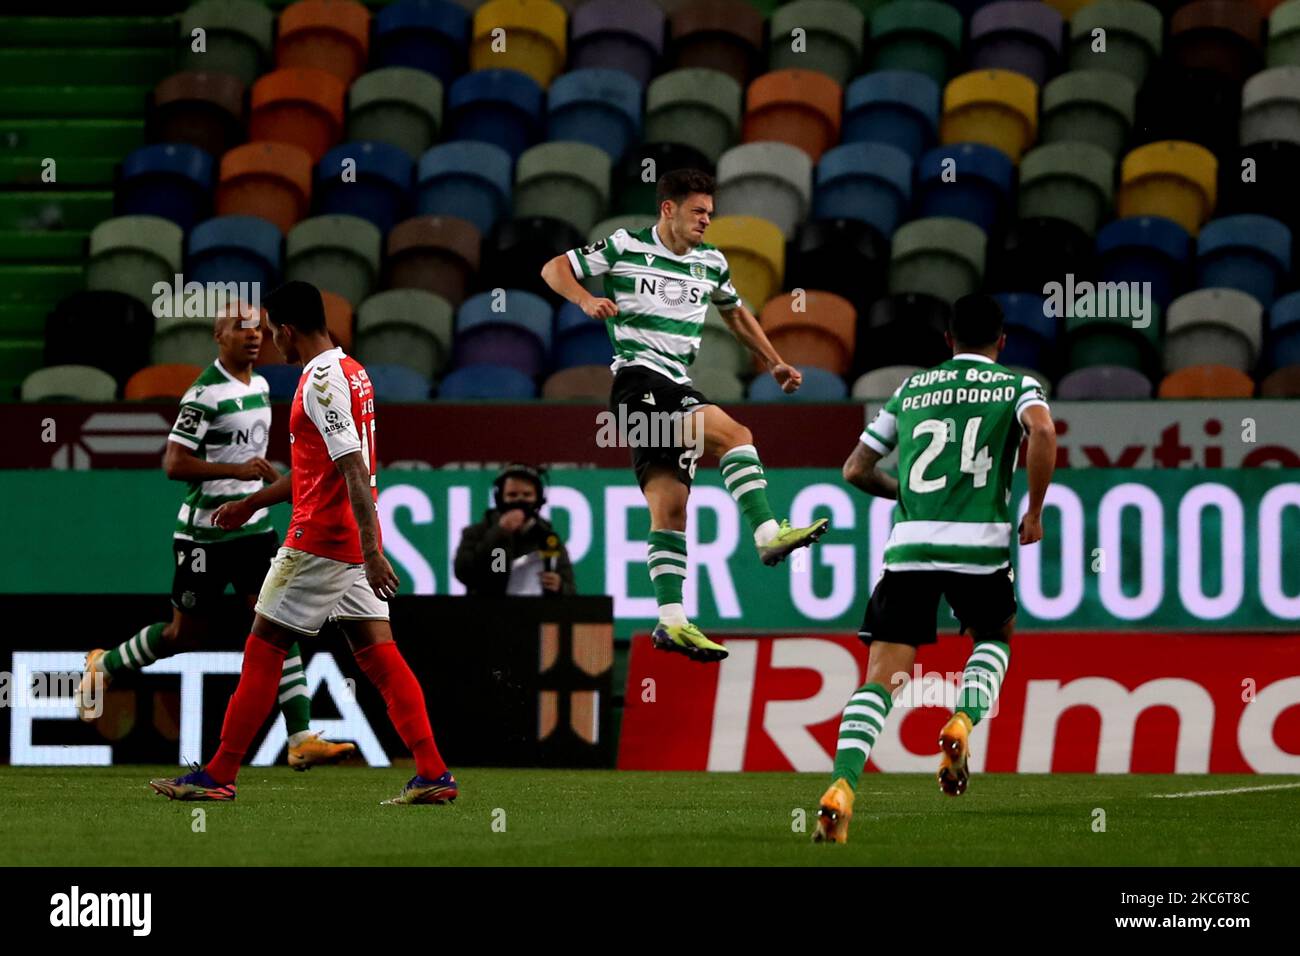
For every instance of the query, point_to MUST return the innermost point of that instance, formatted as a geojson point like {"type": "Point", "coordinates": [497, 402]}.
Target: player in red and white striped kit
{"type": "Point", "coordinates": [332, 564]}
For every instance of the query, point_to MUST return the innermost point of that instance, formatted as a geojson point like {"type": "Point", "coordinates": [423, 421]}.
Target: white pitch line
{"type": "Point", "coordinates": [1219, 793]}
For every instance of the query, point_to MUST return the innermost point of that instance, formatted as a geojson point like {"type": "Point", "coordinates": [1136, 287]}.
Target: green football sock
{"type": "Point", "coordinates": [742, 473]}
{"type": "Point", "coordinates": [295, 703]}
{"type": "Point", "coordinates": [140, 650]}
{"type": "Point", "coordinates": [666, 556]}
{"type": "Point", "coordinates": [863, 719]}
{"type": "Point", "coordinates": [982, 679]}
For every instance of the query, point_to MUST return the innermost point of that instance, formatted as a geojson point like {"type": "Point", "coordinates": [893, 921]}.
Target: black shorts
{"type": "Point", "coordinates": [904, 605]}
{"type": "Point", "coordinates": [204, 568]}
{"type": "Point", "coordinates": [644, 391]}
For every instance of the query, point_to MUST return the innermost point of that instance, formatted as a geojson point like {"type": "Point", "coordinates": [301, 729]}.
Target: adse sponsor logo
{"type": "Point", "coordinates": [75, 909]}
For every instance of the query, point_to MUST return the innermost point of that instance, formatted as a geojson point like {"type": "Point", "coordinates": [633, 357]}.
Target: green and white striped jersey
{"type": "Point", "coordinates": [661, 297]}
{"type": "Point", "coordinates": [957, 429]}
{"type": "Point", "coordinates": [222, 419]}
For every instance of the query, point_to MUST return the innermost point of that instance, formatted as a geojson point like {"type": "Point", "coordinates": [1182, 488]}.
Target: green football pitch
{"type": "Point", "coordinates": [332, 816]}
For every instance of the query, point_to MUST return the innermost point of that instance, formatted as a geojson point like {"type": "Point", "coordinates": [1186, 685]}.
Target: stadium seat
{"type": "Point", "coordinates": [408, 327]}
{"type": "Point", "coordinates": [1284, 35]}
{"type": "Point", "coordinates": [380, 190]}
{"type": "Point", "coordinates": [1213, 326]}
{"type": "Point", "coordinates": [335, 253]}
{"type": "Point", "coordinates": [1176, 180]}
{"type": "Point", "coordinates": [723, 35]}
{"type": "Point", "coordinates": [1206, 381]}
{"type": "Point", "coordinates": [566, 181]}
{"type": "Point", "coordinates": [1194, 106]}
{"type": "Point", "coordinates": [1103, 337]}
{"type": "Point", "coordinates": [1134, 33]}
{"type": "Point", "coordinates": [818, 385]}
{"type": "Point", "coordinates": [1067, 8]}
{"type": "Point", "coordinates": [1089, 106]}
{"type": "Point", "coordinates": [694, 107]}
{"type": "Point", "coordinates": [844, 256]}
{"type": "Point", "coordinates": [580, 340]}
{"type": "Point", "coordinates": [439, 254]}
{"type": "Point", "coordinates": [205, 110]}
{"type": "Point", "coordinates": [799, 107]}
{"type": "Point", "coordinates": [904, 329]}
{"type": "Point", "coordinates": [831, 39]}
{"type": "Point", "coordinates": [338, 319]}
{"type": "Point", "coordinates": [271, 180]}
{"type": "Point", "coordinates": [1016, 35]}
{"type": "Point", "coordinates": [922, 36]}
{"type": "Point", "coordinates": [1145, 249]}
{"type": "Point", "coordinates": [755, 251]}
{"type": "Point", "coordinates": [813, 329]}
{"type": "Point", "coordinates": [507, 327]}
{"type": "Point", "coordinates": [1031, 332]}
{"type": "Point", "coordinates": [479, 382]}
{"type": "Point", "coordinates": [514, 250]}
{"type": "Point", "coordinates": [1071, 181]}
{"type": "Point", "coordinates": [428, 35]}
{"type": "Point", "coordinates": [234, 249]}
{"type": "Point", "coordinates": [398, 383]}
{"type": "Point", "coordinates": [1219, 36]}
{"type": "Point", "coordinates": [1249, 253]}
{"type": "Point", "coordinates": [772, 181]}
{"type": "Point", "coordinates": [967, 181]}
{"type": "Point", "coordinates": [161, 381]}
{"type": "Point", "coordinates": [1270, 106]}
{"type": "Point", "coordinates": [300, 107]}
{"type": "Point", "coordinates": [599, 107]}
{"type": "Point", "coordinates": [881, 383]}
{"type": "Point", "coordinates": [636, 176]}
{"type": "Point", "coordinates": [130, 254]}
{"type": "Point", "coordinates": [187, 340]}
{"type": "Point", "coordinates": [867, 181]}
{"type": "Point", "coordinates": [171, 180]}
{"type": "Point", "coordinates": [103, 329]}
{"type": "Point", "coordinates": [1271, 191]}
{"type": "Point", "coordinates": [467, 180]}
{"type": "Point", "coordinates": [1283, 342]}
{"type": "Point", "coordinates": [501, 107]}
{"type": "Point", "coordinates": [899, 108]}
{"type": "Point", "coordinates": [537, 31]}
{"type": "Point", "coordinates": [998, 108]}
{"type": "Point", "coordinates": [1281, 383]}
{"type": "Point", "coordinates": [397, 105]}
{"type": "Point", "coordinates": [1103, 383]}
{"type": "Point", "coordinates": [718, 384]}
{"type": "Point", "coordinates": [580, 382]}
{"type": "Point", "coordinates": [720, 349]}
{"type": "Point", "coordinates": [237, 38]}
{"type": "Point", "coordinates": [281, 380]}
{"type": "Point", "coordinates": [72, 383]}
{"type": "Point", "coordinates": [625, 35]}
{"type": "Point", "coordinates": [939, 256]}
{"type": "Point", "coordinates": [329, 35]}
{"type": "Point", "coordinates": [1027, 254]}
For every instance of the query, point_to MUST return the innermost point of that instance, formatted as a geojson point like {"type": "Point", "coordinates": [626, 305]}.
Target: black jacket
{"type": "Point", "coordinates": [473, 563]}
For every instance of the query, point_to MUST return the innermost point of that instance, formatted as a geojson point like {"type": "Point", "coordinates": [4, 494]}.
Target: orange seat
{"type": "Point", "coordinates": [821, 335]}
{"type": "Point", "coordinates": [301, 107]}
{"type": "Point", "coordinates": [330, 35]}
{"type": "Point", "coordinates": [338, 319]}
{"type": "Point", "coordinates": [799, 107]}
{"type": "Point", "coordinates": [590, 382]}
{"type": "Point", "coordinates": [1207, 381]}
{"type": "Point", "coordinates": [271, 180]}
{"type": "Point", "coordinates": [161, 381]}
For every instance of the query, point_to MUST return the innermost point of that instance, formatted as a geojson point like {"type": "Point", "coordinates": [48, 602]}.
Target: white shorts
{"type": "Point", "coordinates": [302, 591]}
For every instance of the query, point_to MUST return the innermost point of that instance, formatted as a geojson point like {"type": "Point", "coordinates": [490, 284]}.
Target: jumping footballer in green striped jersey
{"type": "Point", "coordinates": [658, 284]}
{"type": "Point", "coordinates": [218, 445]}
{"type": "Point", "coordinates": [957, 428]}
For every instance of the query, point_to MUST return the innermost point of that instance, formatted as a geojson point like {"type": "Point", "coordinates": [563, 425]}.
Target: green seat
{"type": "Point", "coordinates": [238, 35]}
{"type": "Point", "coordinates": [832, 39]}
{"type": "Point", "coordinates": [23, 246]}
{"type": "Point", "coordinates": [396, 105]}
{"type": "Point", "coordinates": [1133, 32]}
{"type": "Point", "coordinates": [19, 357]}
{"type": "Point", "coordinates": [920, 35]}
{"type": "Point", "coordinates": [34, 285]}
{"type": "Point", "coordinates": [564, 180]}
{"type": "Point", "coordinates": [118, 31]}
{"type": "Point", "coordinates": [408, 327]}
{"type": "Point", "coordinates": [132, 254]}
{"type": "Point", "coordinates": [337, 254]}
{"type": "Point", "coordinates": [1088, 106]}
{"type": "Point", "coordinates": [696, 107]}
{"type": "Point", "coordinates": [718, 384]}
{"type": "Point", "coordinates": [1070, 181]}
{"type": "Point", "coordinates": [77, 383]}
{"type": "Point", "coordinates": [36, 210]}
{"type": "Point", "coordinates": [19, 320]}
{"type": "Point", "coordinates": [79, 66]}
{"type": "Point", "coordinates": [1113, 340]}
{"type": "Point", "coordinates": [63, 138]}
{"type": "Point", "coordinates": [939, 256]}
{"type": "Point", "coordinates": [1284, 35]}
{"type": "Point", "coordinates": [720, 349]}
{"type": "Point", "coordinates": [182, 340]}
{"type": "Point", "coordinates": [24, 171]}
{"type": "Point", "coordinates": [74, 102]}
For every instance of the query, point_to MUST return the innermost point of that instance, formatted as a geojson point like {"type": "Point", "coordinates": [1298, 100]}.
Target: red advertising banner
{"type": "Point", "coordinates": [1071, 702]}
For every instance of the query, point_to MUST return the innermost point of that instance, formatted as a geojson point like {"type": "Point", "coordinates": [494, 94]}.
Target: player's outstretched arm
{"type": "Point", "coordinates": [558, 274]}
{"type": "Point", "coordinates": [861, 472]}
{"type": "Point", "coordinates": [379, 573]}
{"type": "Point", "coordinates": [745, 327]}
{"type": "Point", "coordinates": [1040, 462]}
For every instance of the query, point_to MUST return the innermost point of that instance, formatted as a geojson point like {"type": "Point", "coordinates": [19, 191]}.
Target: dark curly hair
{"type": "Point", "coordinates": [677, 184]}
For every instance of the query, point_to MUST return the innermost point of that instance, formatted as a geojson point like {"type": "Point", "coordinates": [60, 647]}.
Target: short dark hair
{"type": "Point", "coordinates": [976, 321]}
{"type": "Point", "coordinates": [677, 184]}
{"type": "Point", "coordinates": [298, 304]}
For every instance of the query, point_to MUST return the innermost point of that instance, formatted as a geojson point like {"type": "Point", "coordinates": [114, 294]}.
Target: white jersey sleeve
{"type": "Point", "coordinates": [196, 416]}
{"type": "Point", "coordinates": [597, 257]}
{"type": "Point", "coordinates": [327, 400]}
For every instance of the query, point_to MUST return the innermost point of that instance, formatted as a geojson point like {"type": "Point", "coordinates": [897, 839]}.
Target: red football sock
{"type": "Point", "coordinates": [249, 706]}
{"type": "Point", "coordinates": [384, 665]}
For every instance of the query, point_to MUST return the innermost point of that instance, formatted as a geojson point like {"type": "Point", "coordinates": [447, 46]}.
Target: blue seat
{"type": "Point", "coordinates": [580, 339]}
{"type": "Point", "coordinates": [398, 383]}
{"type": "Point", "coordinates": [282, 380]}
{"type": "Point", "coordinates": [980, 191]}
{"type": "Point", "coordinates": [1031, 334]}
{"type": "Point", "coordinates": [502, 107]}
{"type": "Point", "coordinates": [518, 337]}
{"type": "Point", "coordinates": [1283, 343]}
{"type": "Point", "coordinates": [596, 106]}
{"type": "Point", "coordinates": [896, 107]}
{"type": "Point", "coordinates": [234, 249]}
{"type": "Point", "coordinates": [382, 191]}
{"type": "Point", "coordinates": [170, 180]}
{"type": "Point", "coordinates": [870, 182]}
{"type": "Point", "coordinates": [1146, 249]}
{"type": "Point", "coordinates": [1247, 252]}
{"type": "Point", "coordinates": [818, 385]}
{"type": "Point", "coordinates": [469, 180]}
{"type": "Point", "coordinates": [429, 35]}
{"type": "Point", "coordinates": [486, 382]}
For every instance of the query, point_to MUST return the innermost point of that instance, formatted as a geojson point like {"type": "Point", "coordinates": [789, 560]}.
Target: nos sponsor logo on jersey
{"type": "Point", "coordinates": [671, 291]}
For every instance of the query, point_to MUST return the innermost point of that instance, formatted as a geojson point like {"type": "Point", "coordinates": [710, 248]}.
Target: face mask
{"type": "Point", "coordinates": [529, 508]}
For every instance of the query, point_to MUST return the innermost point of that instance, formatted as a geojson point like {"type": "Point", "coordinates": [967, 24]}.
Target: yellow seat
{"type": "Point", "coordinates": [534, 38]}
{"type": "Point", "coordinates": [998, 108]}
{"type": "Point", "coordinates": [1170, 178]}
{"type": "Point", "coordinates": [755, 251]}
